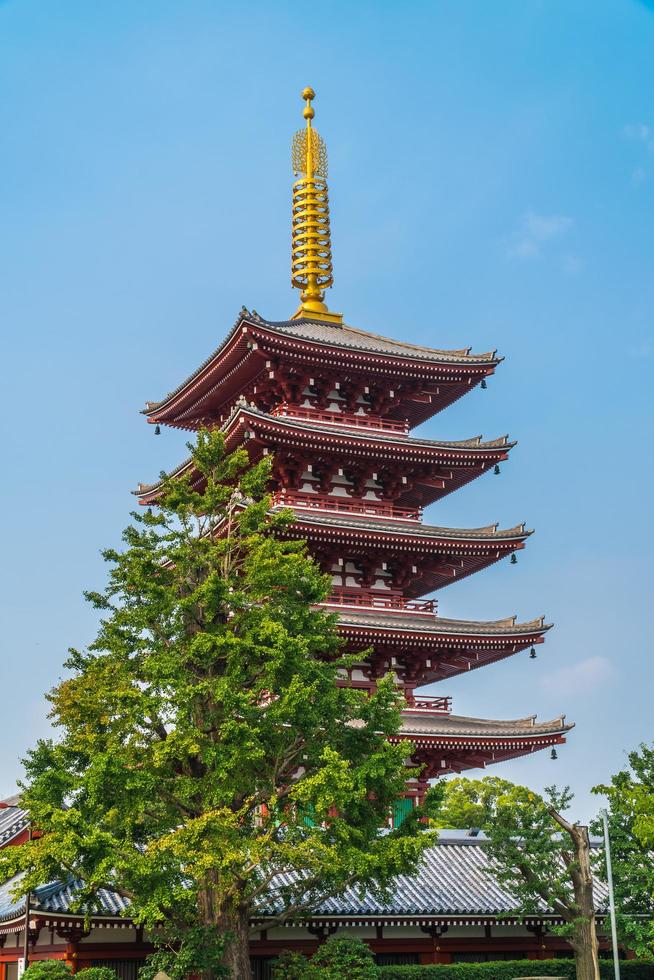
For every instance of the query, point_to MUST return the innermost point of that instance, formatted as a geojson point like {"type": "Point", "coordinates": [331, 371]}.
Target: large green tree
{"type": "Point", "coordinates": [540, 856]}
{"type": "Point", "coordinates": [205, 748]}
{"type": "Point", "coordinates": [631, 830]}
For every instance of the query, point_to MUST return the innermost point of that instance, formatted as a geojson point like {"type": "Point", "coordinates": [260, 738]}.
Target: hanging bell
{"type": "Point", "coordinates": [157, 430]}
{"type": "Point", "coordinates": [554, 754]}
{"type": "Point", "coordinates": [496, 469]}
{"type": "Point", "coordinates": [532, 653]}
{"type": "Point", "coordinates": [514, 560]}
{"type": "Point", "coordinates": [483, 384]}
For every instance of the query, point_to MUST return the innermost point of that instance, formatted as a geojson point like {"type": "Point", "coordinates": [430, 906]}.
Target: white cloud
{"type": "Point", "coordinates": [572, 264]}
{"type": "Point", "coordinates": [642, 350]}
{"type": "Point", "coordinates": [638, 175]}
{"type": "Point", "coordinates": [640, 133]}
{"type": "Point", "coordinates": [535, 231]}
{"type": "Point", "coordinates": [579, 678]}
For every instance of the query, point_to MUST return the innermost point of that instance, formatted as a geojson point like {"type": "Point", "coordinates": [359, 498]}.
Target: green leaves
{"type": "Point", "coordinates": [206, 720]}
{"type": "Point", "coordinates": [533, 854]}
{"type": "Point", "coordinates": [630, 797]}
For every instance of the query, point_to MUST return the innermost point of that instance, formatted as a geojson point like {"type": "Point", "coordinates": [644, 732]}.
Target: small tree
{"type": "Point", "coordinates": [631, 831]}
{"type": "Point", "coordinates": [340, 957]}
{"type": "Point", "coordinates": [48, 970]}
{"type": "Point", "coordinates": [343, 957]}
{"type": "Point", "coordinates": [209, 766]}
{"type": "Point", "coordinates": [542, 858]}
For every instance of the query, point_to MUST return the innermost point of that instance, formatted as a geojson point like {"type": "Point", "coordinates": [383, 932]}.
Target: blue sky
{"type": "Point", "coordinates": [492, 185]}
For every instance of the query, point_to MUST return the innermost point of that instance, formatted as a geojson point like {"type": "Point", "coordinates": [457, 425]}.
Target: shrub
{"type": "Point", "coordinates": [47, 970]}
{"type": "Point", "coordinates": [343, 957]}
{"type": "Point", "coordinates": [96, 973]}
{"type": "Point", "coordinates": [290, 966]}
{"type": "Point", "coordinates": [509, 969]}
{"type": "Point", "coordinates": [339, 957]}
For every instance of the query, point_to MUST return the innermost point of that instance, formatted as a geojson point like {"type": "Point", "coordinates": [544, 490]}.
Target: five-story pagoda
{"type": "Point", "coordinates": [335, 406]}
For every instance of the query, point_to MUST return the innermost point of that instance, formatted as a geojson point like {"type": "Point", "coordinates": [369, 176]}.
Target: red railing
{"type": "Point", "coordinates": [438, 706]}
{"type": "Point", "coordinates": [343, 505]}
{"type": "Point", "coordinates": [348, 419]}
{"type": "Point", "coordinates": [376, 600]}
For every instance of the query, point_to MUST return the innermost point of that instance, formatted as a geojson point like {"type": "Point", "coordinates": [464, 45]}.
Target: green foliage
{"type": "Point", "coordinates": [204, 722]}
{"type": "Point", "coordinates": [96, 973]}
{"type": "Point", "coordinates": [48, 970]}
{"type": "Point", "coordinates": [509, 969]}
{"type": "Point", "coordinates": [181, 952]}
{"type": "Point", "coordinates": [290, 966]}
{"type": "Point", "coordinates": [342, 956]}
{"type": "Point", "coordinates": [631, 831]}
{"type": "Point", "coordinates": [339, 957]}
{"type": "Point", "coordinates": [531, 857]}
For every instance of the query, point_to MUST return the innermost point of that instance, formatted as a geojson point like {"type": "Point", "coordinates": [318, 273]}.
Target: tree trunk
{"type": "Point", "coordinates": [236, 924]}
{"type": "Point", "coordinates": [584, 945]}
{"type": "Point", "coordinates": [584, 939]}
{"type": "Point", "coordinates": [231, 923]}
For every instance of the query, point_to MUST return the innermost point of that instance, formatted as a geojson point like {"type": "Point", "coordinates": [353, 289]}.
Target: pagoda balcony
{"type": "Point", "coordinates": [378, 509]}
{"type": "Point", "coordinates": [360, 599]}
{"type": "Point", "coordinates": [433, 705]}
{"type": "Point", "coordinates": [347, 420]}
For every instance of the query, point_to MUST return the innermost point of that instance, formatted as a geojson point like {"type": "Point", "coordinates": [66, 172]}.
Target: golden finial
{"type": "Point", "coordinates": [311, 261]}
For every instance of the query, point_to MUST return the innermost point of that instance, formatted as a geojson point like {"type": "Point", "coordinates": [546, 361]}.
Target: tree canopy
{"type": "Point", "coordinates": [542, 858]}
{"type": "Point", "coordinates": [208, 765]}
{"type": "Point", "coordinates": [631, 829]}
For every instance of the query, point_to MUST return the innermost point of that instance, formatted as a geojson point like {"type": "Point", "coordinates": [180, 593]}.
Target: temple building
{"type": "Point", "coordinates": [337, 407]}
{"type": "Point", "coordinates": [453, 911]}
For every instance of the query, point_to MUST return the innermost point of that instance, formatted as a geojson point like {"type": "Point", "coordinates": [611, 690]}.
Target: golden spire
{"type": "Point", "coordinates": [311, 261]}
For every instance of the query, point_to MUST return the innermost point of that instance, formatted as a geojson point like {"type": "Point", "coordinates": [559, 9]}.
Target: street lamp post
{"type": "Point", "coordinates": [609, 878]}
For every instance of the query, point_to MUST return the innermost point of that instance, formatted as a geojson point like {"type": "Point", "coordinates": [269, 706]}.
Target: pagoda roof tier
{"type": "Point", "coordinates": [411, 470]}
{"type": "Point", "coordinates": [423, 648]}
{"type": "Point", "coordinates": [420, 557]}
{"type": "Point", "coordinates": [425, 380]}
{"type": "Point", "coordinates": [446, 744]}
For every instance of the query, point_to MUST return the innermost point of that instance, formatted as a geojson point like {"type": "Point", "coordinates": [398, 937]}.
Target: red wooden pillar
{"type": "Point", "coordinates": [71, 957]}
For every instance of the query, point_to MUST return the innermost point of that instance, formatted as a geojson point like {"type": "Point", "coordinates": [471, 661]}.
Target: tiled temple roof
{"type": "Point", "coordinates": [13, 820]}
{"type": "Point", "coordinates": [463, 446]}
{"type": "Point", "coordinates": [490, 532]}
{"type": "Point", "coordinates": [336, 336]}
{"type": "Point", "coordinates": [57, 897]}
{"type": "Point", "coordinates": [377, 619]}
{"type": "Point", "coordinates": [474, 442]}
{"type": "Point", "coordinates": [426, 723]}
{"type": "Point", "coordinates": [454, 879]}
{"type": "Point", "coordinates": [342, 335]}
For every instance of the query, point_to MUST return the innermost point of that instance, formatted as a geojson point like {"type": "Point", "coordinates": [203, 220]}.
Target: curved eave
{"type": "Point", "coordinates": [347, 337]}
{"type": "Point", "coordinates": [444, 556]}
{"type": "Point", "coordinates": [460, 449]}
{"type": "Point", "coordinates": [425, 534]}
{"type": "Point", "coordinates": [468, 457]}
{"type": "Point", "coordinates": [188, 404]}
{"type": "Point", "coordinates": [15, 921]}
{"type": "Point", "coordinates": [435, 629]}
{"type": "Point", "coordinates": [480, 729]}
{"type": "Point", "coordinates": [436, 649]}
{"type": "Point", "coordinates": [454, 744]}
